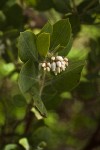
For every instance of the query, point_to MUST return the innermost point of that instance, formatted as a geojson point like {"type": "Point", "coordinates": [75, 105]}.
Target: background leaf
{"type": "Point", "coordinates": [10, 147]}
{"type": "Point", "coordinates": [11, 13]}
{"type": "Point", "coordinates": [24, 143]}
{"type": "Point", "coordinates": [62, 6]}
{"type": "Point", "coordinates": [40, 5]}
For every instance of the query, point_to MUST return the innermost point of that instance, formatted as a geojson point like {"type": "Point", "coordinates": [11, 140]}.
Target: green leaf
{"type": "Point", "coordinates": [61, 33]}
{"type": "Point", "coordinates": [58, 48]}
{"type": "Point", "coordinates": [66, 50]}
{"type": "Point", "coordinates": [40, 5]}
{"type": "Point", "coordinates": [2, 17]}
{"type": "Point", "coordinates": [43, 136]}
{"type": "Point", "coordinates": [68, 79]}
{"type": "Point", "coordinates": [2, 115]}
{"type": "Point", "coordinates": [62, 6]}
{"type": "Point", "coordinates": [24, 143]}
{"type": "Point", "coordinates": [10, 147]}
{"type": "Point", "coordinates": [19, 101]}
{"type": "Point", "coordinates": [65, 81]}
{"type": "Point", "coordinates": [28, 76]}
{"type": "Point", "coordinates": [43, 43]}
{"type": "Point", "coordinates": [38, 104]}
{"type": "Point", "coordinates": [48, 28]}
{"type": "Point", "coordinates": [12, 33]}
{"type": "Point", "coordinates": [2, 3]}
{"type": "Point", "coordinates": [27, 46]}
{"type": "Point", "coordinates": [36, 113]}
{"type": "Point", "coordinates": [13, 9]}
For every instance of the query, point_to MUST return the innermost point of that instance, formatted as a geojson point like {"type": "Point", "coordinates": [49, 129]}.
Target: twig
{"type": "Point", "coordinates": [74, 6]}
{"type": "Point", "coordinates": [89, 5]}
{"type": "Point", "coordinates": [28, 118]}
{"type": "Point", "coordinates": [93, 143]}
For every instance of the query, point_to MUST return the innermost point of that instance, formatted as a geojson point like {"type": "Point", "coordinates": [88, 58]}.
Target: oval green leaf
{"type": "Point", "coordinates": [61, 33]}
{"type": "Point", "coordinates": [27, 46]}
{"type": "Point", "coordinates": [48, 28]}
{"type": "Point", "coordinates": [43, 44]}
{"type": "Point", "coordinates": [65, 81]}
{"type": "Point", "coordinates": [28, 76]}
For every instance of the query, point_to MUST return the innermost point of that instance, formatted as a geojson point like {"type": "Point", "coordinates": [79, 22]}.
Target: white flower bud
{"type": "Point", "coordinates": [48, 69]}
{"type": "Point", "coordinates": [43, 64]}
{"type": "Point", "coordinates": [52, 58]}
{"type": "Point", "coordinates": [59, 58]}
{"type": "Point", "coordinates": [66, 59]}
{"type": "Point", "coordinates": [66, 63]}
{"type": "Point", "coordinates": [58, 69]}
{"type": "Point", "coordinates": [63, 67]}
{"type": "Point", "coordinates": [63, 63]}
{"type": "Point", "coordinates": [53, 66]}
{"type": "Point", "coordinates": [44, 68]}
{"type": "Point", "coordinates": [55, 73]}
{"type": "Point", "coordinates": [58, 63]}
{"type": "Point", "coordinates": [49, 65]}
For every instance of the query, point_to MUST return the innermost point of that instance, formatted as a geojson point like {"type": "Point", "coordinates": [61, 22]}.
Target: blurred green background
{"type": "Point", "coordinates": [74, 123]}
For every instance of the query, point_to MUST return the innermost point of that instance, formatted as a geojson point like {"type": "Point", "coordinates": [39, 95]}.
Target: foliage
{"type": "Point", "coordinates": [61, 113]}
{"type": "Point", "coordinates": [31, 79]}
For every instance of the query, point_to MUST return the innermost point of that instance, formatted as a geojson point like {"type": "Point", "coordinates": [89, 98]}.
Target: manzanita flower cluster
{"type": "Point", "coordinates": [57, 64]}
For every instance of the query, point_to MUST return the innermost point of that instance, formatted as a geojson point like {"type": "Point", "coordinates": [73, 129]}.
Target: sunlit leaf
{"type": "Point", "coordinates": [10, 147]}
{"type": "Point", "coordinates": [43, 43]}
{"type": "Point", "coordinates": [24, 143]}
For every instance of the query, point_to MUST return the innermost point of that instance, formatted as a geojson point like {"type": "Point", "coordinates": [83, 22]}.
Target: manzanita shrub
{"type": "Point", "coordinates": [43, 75]}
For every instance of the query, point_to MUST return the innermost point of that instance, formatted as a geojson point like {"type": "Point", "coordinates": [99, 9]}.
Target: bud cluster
{"type": "Point", "coordinates": [57, 64]}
